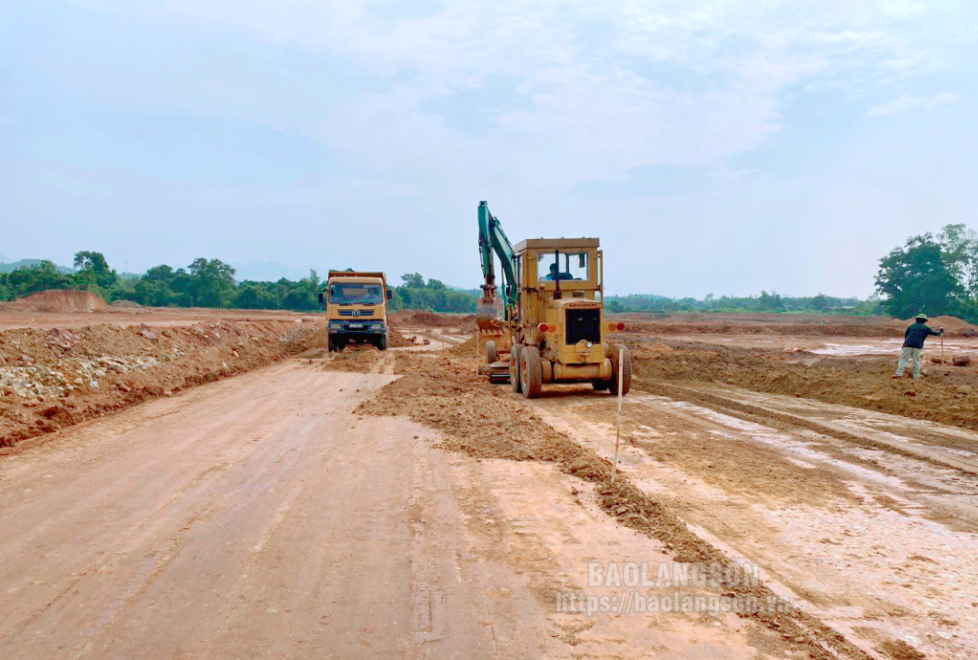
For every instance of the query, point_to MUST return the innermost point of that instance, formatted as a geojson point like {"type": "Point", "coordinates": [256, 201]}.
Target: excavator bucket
{"type": "Point", "coordinates": [487, 315]}
{"type": "Point", "coordinates": [494, 338]}
{"type": "Point", "coordinates": [488, 310]}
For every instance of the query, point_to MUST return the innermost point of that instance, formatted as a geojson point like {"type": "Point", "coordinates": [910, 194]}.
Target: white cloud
{"type": "Point", "coordinates": [904, 102]}
{"type": "Point", "coordinates": [598, 88]}
{"type": "Point", "coordinates": [428, 108]}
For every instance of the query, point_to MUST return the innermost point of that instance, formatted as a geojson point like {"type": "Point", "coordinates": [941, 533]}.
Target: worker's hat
{"type": "Point", "coordinates": [921, 317]}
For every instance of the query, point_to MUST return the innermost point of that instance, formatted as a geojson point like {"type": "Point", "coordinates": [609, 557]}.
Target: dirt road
{"type": "Point", "coordinates": [255, 517]}
{"type": "Point", "coordinates": [369, 505]}
{"type": "Point", "coordinates": [261, 517]}
{"type": "Point", "coordinates": [866, 520]}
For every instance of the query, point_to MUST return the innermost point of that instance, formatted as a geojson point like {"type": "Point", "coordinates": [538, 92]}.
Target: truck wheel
{"type": "Point", "coordinates": [330, 343]}
{"type": "Point", "coordinates": [626, 371]}
{"type": "Point", "coordinates": [599, 385]}
{"type": "Point", "coordinates": [382, 342]}
{"type": "Point", "coordinates": [531, 372]}
{"type": "Point", "coordinates": [514, 368]}
{"type": "Point", "coordinates": [491, 353]}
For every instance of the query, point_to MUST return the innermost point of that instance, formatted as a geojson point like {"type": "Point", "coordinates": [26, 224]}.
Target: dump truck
{"type": "Point", "coordinates": [548, 326]}
{"type": "Point", "coordinates": [356, 308]}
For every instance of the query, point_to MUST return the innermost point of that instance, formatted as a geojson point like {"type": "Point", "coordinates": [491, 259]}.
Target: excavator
{"type": "Point", "coordinates": [548, 325]}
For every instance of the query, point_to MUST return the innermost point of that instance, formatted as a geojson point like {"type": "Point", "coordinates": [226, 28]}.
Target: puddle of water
{"type": "Point", "coordinates": [888, 347]}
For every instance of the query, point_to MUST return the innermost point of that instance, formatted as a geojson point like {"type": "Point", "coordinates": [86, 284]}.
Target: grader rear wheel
{"type": "Point", "coordinates": [531, 372]}
{"type": "Point", "coordinates": [626, 371]}
{"type": "Point", "coordinates": [514, 368]}
{"type": "Point", "coordinates": [491, 353]}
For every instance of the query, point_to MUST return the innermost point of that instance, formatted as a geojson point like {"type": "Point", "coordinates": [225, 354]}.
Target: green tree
{"type": "Point", "coordinates": [960, 250]}
{"type": "Point", "coordinates": [821, 302]}
{"type": "Point", "coordinates": [252, 295]}
{"type": "Point", "coordinates": [771, 301]}
{"type": "Point", "coordinates": [211, 283]}
{"type": "Point", "coordinates": [917, 278]}
{"type": "Point", "coordinates": [45, 275]}
{"type": "Point", "coordinates": [413, 280]}
{"type": "Point", "coordinates": [93, 267]}
{"type": "Point", "coordinates": [300, 299]}
{"type": "Point", "coordinates": [161, 273]}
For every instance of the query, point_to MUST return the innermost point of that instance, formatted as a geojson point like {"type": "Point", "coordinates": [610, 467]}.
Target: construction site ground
{"type": "Point", "coordinates": [375, 504]}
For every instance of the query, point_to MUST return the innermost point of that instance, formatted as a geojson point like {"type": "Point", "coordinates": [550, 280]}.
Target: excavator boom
{"type": "Point", "coordinates": [494, 243]}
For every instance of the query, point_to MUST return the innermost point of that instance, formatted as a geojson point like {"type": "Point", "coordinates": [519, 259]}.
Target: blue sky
{"type": "Point", "coordinates": [715, 147]}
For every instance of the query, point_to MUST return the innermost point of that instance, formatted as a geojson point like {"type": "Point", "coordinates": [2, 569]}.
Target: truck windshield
{"type": "Point", "coordinates": [356, 294]}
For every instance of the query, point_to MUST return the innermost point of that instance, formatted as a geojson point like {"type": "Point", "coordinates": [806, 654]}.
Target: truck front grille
{"type": "Point", "coordinates": [362, 313]}
{"type": "Point", "coordinates": [583, 324]}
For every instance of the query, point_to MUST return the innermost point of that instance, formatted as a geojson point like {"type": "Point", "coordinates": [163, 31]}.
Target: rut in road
{"type": "Point", "coordinates": [857, 525]}
{"type": "Point", "coordinates": [489, 422]}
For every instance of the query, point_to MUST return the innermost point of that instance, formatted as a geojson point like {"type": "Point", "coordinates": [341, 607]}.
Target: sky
{"type": "Point", "coordinates": [714, 146]}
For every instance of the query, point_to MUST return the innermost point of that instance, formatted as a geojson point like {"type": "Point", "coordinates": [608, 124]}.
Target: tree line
{"type": "Point", "coordinates": [211, 283]}
{"type": "Point", "coordinates": [935, 274]}
{"type": "Point", "coordinates": [766, 302]}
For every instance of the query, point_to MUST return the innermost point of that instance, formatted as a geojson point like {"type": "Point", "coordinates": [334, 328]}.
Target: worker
{"type": "Point", "coordinates": [913, 344]}
{"type": "Point", "coordinates": [555, 274]}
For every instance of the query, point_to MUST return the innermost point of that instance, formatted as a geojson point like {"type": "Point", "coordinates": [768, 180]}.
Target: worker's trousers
{"type": "Point", "coordinates": [909, 354]}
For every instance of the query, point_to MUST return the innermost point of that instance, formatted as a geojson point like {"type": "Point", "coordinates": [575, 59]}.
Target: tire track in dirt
{"type": "Point", "coordinates": [789, 422]}
{"type": "Point", "coordinates": [849, 560]}
{"type": "Point", "coordinates": [481, 421]}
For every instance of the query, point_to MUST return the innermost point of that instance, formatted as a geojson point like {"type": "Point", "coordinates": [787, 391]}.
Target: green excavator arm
{"type": "Point", "coordinates": [492, 239]}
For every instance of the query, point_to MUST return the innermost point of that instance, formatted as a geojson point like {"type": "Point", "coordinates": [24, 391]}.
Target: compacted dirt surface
{"type": "Point", "coordinates": [771, 501]}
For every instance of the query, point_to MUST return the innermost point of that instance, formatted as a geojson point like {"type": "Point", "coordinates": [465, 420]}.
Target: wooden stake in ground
{"type": "Point", "coordinates": [621, 361]}
{"type": "Point", "coordinates": [942, 349]}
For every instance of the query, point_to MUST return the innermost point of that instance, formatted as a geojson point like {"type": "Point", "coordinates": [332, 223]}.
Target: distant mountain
{"type": "Point", "coordinates": [27, 263]}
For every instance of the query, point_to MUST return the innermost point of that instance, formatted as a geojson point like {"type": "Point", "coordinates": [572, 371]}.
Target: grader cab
{"type": "Point", "coordinates": [550, 320]}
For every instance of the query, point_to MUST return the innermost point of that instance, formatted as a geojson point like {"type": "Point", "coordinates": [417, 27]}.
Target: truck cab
{"type": "Point", "coordinates": [356, 308]}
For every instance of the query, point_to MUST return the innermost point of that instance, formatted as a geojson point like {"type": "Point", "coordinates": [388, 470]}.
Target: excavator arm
{"type": "Point", "coordinates": [492, 239]}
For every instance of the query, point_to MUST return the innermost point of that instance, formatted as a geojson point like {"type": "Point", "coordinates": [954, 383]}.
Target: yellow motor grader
{"type": "Point", "coordinates": [550, 321]}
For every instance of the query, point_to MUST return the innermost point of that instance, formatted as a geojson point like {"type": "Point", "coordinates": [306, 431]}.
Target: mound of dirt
{"type": "Point", "coordinates": [422, 318]}
{"type": "Point", "coordinates": [396, 340]}
{"type": "Point", "coordinates": [52, 378]}
{"type": "Point", "coordinates": [466, 349]}
{"type": "Point", "coordinates": [659, 348]}
{"type": "Point", "coordinates": [952, 325]}
{"type": "Point", "coordinates": [125, 303]}
{"type": "Point", "coordinates": [61, 300]}
{"type": "Point", "coordinates": [947, 395]}
{"type": "Point", "coordinates": [356, 358]}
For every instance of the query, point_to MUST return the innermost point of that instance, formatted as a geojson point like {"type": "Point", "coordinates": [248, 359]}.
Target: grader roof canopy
{"type": "Point", "coordinates": [557, 243]}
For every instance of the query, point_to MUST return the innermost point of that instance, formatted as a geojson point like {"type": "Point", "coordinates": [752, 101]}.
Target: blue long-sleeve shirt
{"type": "Point", "coordinates": [916, 334]}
